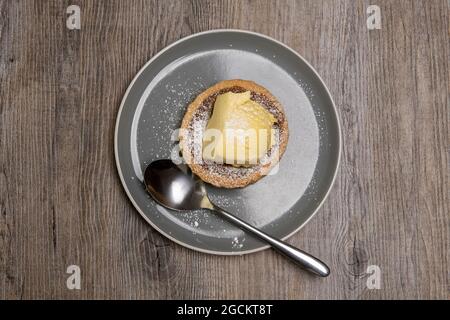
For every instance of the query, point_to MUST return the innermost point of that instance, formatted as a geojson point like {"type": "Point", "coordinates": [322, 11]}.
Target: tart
{"type": "Point", "coordinates": [237, 104]}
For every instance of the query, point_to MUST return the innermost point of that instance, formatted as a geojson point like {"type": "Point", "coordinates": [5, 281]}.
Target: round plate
{"type": "Point", "coordinates": [280, 203]}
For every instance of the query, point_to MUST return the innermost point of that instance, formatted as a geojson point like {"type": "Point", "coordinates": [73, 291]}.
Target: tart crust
{"type": "Point", "coordinates": [195, 119]}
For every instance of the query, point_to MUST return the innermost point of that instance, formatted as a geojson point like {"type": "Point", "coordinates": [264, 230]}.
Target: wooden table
{"type": "Point", "coordinates": [62, 204]}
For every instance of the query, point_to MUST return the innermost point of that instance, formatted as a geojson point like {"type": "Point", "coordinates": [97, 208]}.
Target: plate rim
{"type": "Point", "coordinates": [116, 133]}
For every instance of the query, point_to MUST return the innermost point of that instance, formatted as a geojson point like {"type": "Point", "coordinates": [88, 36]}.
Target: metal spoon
{"type": "Point", "coordinates": [176, 187]}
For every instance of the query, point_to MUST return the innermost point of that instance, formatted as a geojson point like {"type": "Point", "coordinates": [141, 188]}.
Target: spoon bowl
{"type": "Point", "coordinates": [174, 186]}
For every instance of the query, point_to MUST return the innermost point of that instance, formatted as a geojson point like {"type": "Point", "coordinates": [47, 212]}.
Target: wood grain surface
{"type": "Point", "coordinates": [61, 201]}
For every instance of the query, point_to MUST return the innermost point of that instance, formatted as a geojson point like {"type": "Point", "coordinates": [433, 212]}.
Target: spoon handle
{"type": "Point", "coordinates": [300, 257]}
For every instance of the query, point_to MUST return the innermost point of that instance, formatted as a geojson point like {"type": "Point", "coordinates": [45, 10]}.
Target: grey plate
{"type": "Point", "coordinates": [154, 105]}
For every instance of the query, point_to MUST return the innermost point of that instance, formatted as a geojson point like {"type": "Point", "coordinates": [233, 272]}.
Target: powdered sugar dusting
{"type": "Point", "coordinates": [237, 243]}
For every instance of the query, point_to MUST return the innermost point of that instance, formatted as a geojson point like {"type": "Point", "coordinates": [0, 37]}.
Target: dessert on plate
{"type": "Point", "coordinates": [233, 133]}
